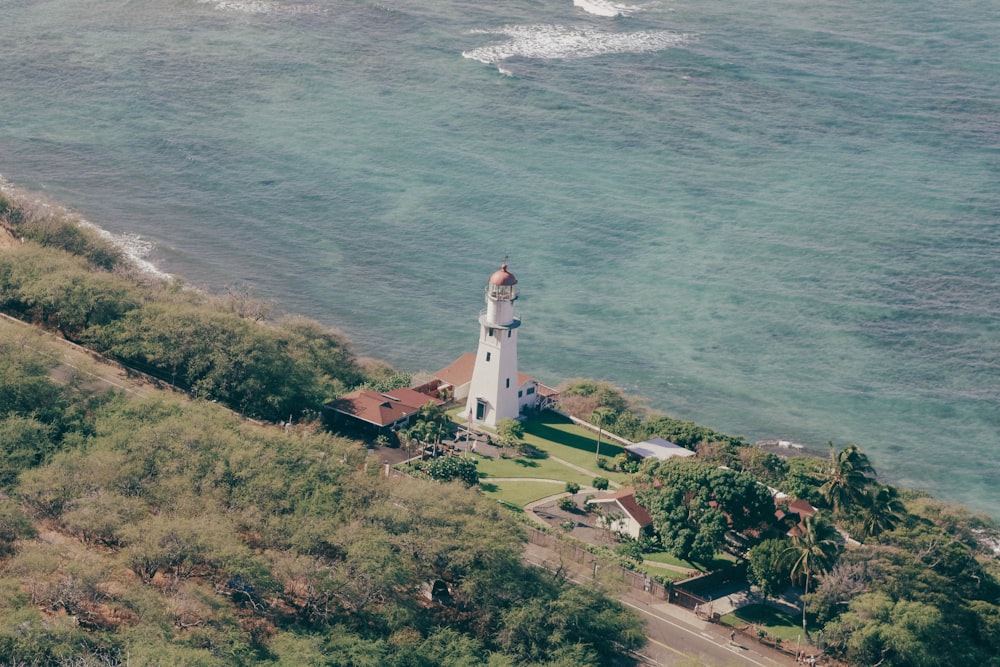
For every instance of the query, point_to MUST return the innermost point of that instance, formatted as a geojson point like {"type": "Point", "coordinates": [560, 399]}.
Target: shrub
{"type": "Point", "coordinates": [600, 483]}
{"type": "Point", "coordinates": [567, 504]}
{"type": "Point", "coordinates": [572, 487]}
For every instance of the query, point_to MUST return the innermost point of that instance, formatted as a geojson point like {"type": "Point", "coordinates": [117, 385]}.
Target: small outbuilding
{"type": "Point", "coordinates": [621, 513]}
{"type": "Point", "coordinates": [658, 448]}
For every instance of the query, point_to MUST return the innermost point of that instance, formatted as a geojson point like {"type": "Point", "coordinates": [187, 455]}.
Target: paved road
{"type": "Point", "coordinates": [675, 636]}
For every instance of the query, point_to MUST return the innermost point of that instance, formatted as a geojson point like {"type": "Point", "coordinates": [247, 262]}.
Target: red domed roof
{"type": "Point", "coordinates": [503, 277]}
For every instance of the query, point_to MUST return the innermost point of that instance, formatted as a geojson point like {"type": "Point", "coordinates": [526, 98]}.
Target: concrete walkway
{"type": "Point", "coordinates": [573, 466]}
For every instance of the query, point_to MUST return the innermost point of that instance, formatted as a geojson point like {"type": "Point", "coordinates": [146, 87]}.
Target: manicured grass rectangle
{"type": "Point", "coordinates": [661, 572]}
{"type": "Point", "coordinates": [531, 468]}
{"type": "Point", "coordinates": [563, 439]}
{"type": "Point", "coordinates": [668, 559]}
{"type": "Point", "coordinates": [775, 622]}
{"type": "Point", "coordinates": [520, 493]}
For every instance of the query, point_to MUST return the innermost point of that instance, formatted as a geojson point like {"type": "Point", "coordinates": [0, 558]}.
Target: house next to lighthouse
{"type": "Point", "coordinates": [489, 381]}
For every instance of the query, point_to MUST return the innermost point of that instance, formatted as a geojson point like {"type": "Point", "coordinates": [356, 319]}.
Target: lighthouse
{"type": "Point", "coordinates": [494, 386]}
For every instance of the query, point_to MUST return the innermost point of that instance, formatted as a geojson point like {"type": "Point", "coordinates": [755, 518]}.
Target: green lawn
{"type": "Point", "coordinates": [661, 572]}
{"type": "Point", "coordinates": [519, 493]}
{"type": "Point", "coordinates": [537, 468]}
{"type": "Point", "coordinates": [774, 621]}
{"type": "Point", "coordinates": [668, 559]}
{"type": "Point", "coordinates": [563, 439]}
{"type": "Point", "coordinates": [555, 437]}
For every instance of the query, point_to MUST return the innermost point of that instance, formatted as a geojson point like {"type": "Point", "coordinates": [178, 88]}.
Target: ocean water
{"type": "Point", "coordinates": [777, 219]}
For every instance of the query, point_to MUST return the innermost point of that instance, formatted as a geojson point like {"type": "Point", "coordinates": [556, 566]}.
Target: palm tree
{"type": "Point", "coordinates": [882, 509]}
{"type": "Point", "coordinates": [814, 549]}
{"type": "Point", "coordinates": [848, 478]}
{"type": "Point", "coordinates": [601, 416]}
{"type": "Point", "coordinates": [432, 424]}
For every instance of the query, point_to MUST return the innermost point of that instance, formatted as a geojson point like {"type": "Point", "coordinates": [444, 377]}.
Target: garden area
{"type": "Point", "coordinates": [551, 452]}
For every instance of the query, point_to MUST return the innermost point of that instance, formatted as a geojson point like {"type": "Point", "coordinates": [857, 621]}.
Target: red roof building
{"type": "Point", "coordinates": [457, 378]}
{"type": "Point", "coordinates": [385, 410]}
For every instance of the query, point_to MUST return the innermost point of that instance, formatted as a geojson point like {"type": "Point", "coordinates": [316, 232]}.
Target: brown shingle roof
{"type": "Point", "coordinates": [459, 372]}
{"type": "Point", "coordinates": [382, 409]}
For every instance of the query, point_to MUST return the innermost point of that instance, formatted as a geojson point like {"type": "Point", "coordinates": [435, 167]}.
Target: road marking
{"type": "Point", "coordinates": [688, 630]}
{"type": "Point", "coordinates": [671, 648]}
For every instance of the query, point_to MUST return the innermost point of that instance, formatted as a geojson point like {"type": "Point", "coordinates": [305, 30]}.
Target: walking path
{"type": "Point", "coordinates": [577, 468]}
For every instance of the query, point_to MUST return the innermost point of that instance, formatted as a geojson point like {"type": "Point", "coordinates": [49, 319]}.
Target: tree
{"type": "Point", "coordinates": [763, 465]}
{"type": "Point", "coordinates": [814, 549]}
{"type": "Point", "coordinates": [768, 568]}
{"type": "Point", "coordinates": [14, 525]}
{"type": "Point", "coordinates": [881, 509]}
{"type": "Point", "coordinates": [447, 468]}
{"type": "Point", "coordinates": [509, 432]}
{"type": "Point", "coordinates": [848, 478]}
{"type": "Point", "coordinates": [432, 424]}
{"type": "Point", "coordinates": [693, 503]}
{"type": "Point", "coordinates": [601, 416]}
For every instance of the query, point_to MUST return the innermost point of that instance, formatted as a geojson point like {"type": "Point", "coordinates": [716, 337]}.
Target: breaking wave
{"type": "Point", "coordinates": [551, 42]}
{"type": "Point", "coordinates": [135, 248]}
{"type": "Point", "coordinates": [244, 6]}
{"type": "Point", "coordinates": [260, 7]}
{"type": "Point", "coordinates": [606, 7]}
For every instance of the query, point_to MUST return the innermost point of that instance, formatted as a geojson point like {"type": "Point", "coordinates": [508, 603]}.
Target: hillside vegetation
{"type": "Point", "coordinates": [70, 279]}
{"type": "Point", "coordinates": [164, 531]}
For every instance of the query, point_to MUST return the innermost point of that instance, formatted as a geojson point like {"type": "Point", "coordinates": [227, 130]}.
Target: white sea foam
{"type": "Point", "coordinates": [136, 248]}
{"type": "Point", "coordinates": [551, 42]}
{"type": "Point", "coordinates": [261, 7]}
{"type": "Point", "coordinates": [606, 7]}
{"type": "Point", "coordinates": [244, 6]}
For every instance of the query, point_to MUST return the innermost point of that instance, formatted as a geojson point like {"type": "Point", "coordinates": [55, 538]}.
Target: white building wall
{"type": "Point", "coordinates": [494, 379]}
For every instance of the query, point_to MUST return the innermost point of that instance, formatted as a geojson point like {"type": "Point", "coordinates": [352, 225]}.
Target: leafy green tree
{"type": "Point", "coordinates": [768, 568]}
{"type": "Point", "coordinates": [848, 478]}
{"type": "Point", "coordinates": [448, 468]}
{"type": "Point", "coordinates": [693, 504]}
{"type": "Point", "coordinates": [814, 549]}
{"type": "Point", "coordinates": [878, 630]}
{"type": "Point", "coordinates": [763, 465]}
{"type": "Point", "coordinates": [14, 525]}
{"type": "Point", "coordinates": [510, 433]}
{"type": "Point", "coordinates": [24, 443]}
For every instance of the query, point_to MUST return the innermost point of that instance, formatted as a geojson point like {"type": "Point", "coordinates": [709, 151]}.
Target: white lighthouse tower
{"type": "Point", "coordinates": [493, 390]}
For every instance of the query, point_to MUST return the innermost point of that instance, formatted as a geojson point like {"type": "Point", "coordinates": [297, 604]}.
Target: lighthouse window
{"type": "Point", "coordinates": [531, 390]}
{"type": "Point", "coordinates": [520, 394]}
{"type": "Point", "coordinates": [487, 356]}
{"type": "Point", "coordinates": [508, 383]}
{"type": "Point", "coordinates": [491, 332]}
{"type": "Point", "coordinates": [508, 332]}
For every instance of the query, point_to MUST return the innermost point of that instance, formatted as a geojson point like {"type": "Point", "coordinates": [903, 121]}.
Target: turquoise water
{"type": "Point", "coordinates": [778, 219]}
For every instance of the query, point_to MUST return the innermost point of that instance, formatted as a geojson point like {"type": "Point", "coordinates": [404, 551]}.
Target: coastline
{"type": "Point", "coordinates": [137, 250]}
